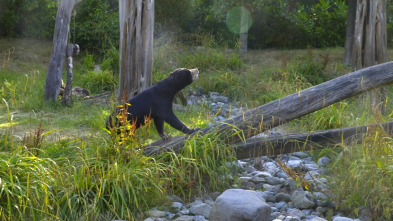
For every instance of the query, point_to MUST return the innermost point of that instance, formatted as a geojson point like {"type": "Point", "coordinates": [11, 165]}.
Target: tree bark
{"type": "Point", "coordinates": [243, 29]}
{"type": "Point", "coordinates": [270, 146]}
{"type": "Point", "coordinates": [136, 46]}
{"type": "Point", "coordinates": [349, 39]}
{"type": "Point", "coordinates": [371, 43]}
{"type": "Point", "coordinates": [288, 108]}
{"type": "Point", "coordinates": [53, 77]}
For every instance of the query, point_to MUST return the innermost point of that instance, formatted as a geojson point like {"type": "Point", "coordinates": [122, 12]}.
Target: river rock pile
{"type": "Point", "coordinates": [264, 191]}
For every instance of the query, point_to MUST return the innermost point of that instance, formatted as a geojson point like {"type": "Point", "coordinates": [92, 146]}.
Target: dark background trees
{"type": "Point", "coordinates": [275, 24]}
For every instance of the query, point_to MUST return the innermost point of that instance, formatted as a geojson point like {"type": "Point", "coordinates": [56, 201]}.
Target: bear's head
{"type": "Point", "coordinates": [184, 75]}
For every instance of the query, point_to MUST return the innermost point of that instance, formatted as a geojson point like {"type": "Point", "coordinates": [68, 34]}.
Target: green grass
{"type": "Point", "coordinates": [57, 162]}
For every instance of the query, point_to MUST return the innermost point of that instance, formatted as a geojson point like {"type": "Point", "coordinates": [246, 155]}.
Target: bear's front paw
{"type": "Point", "coordinates": [165, 136]}
{"type": "Point", "coordinates": [194, 129]}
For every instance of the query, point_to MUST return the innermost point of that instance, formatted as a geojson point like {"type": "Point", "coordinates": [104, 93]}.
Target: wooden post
{"type": "Point", "coordinates": [72, 50]}
{"type": "Point", "coordinates": [136, 46]}
{"type": "Point", "coordinates": [53, 77]}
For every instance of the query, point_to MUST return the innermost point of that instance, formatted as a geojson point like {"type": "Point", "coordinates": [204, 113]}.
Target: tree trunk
{"type": "Point", "coordinates": [288, 108]}
{"type": "Point", "coordinates": [349, 39]}
{"type": "Point", "coordinates": [136, 46]}
{"type": "Point", "coordinates": [243, 30]}
{"type": "Point", "coordinates": [275, 145]}
{"type": "Point", "coordinates": [371, 43]}
{"type": "Point", "coordinates": [53, 77]}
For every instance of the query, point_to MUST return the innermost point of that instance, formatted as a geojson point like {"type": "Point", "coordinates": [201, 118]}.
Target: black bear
{"type": "Point", "coordinates": [156, 103]}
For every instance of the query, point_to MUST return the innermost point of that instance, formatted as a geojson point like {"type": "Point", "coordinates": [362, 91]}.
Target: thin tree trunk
{"type": "Point", "coordinates": [288, 108]}
{"type": "Point", "coordinates": [53, 77]}
{"type": "Point", "coordinates": [243, 29]}
{"type": "Point", "coordinates": [136, 46]}
{"type": "Point", "coordinates": [349, 39]}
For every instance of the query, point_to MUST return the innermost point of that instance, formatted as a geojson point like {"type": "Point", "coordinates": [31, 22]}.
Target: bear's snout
{"type": "Point", "coordinates": [194, 73]}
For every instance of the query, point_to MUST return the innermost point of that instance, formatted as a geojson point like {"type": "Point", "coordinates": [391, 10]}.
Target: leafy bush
{"type": "Point", "coordinates": [33, 18]}
{"type": "Point", "coordinates": [99, 82]}
{"type": "Point", "coordinates": [96, 25]}
{"type": "Point", "coordinates": [311, 70]}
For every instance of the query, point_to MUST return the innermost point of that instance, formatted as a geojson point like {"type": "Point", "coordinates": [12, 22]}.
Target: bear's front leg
{"type": "Point", "coordinates": [172, 120]}
{"type": "Point", "coordinates": [159, 123]}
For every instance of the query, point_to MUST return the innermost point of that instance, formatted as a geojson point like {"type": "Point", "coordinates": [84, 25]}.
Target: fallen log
{"type": "Point", "coordinates": [285, 109]}
{"type": "Point", "coordinates": [289, 143]}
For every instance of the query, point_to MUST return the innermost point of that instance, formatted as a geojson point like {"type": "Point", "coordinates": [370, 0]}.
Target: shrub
{"type": "Point", "coordinates": [99, 82]}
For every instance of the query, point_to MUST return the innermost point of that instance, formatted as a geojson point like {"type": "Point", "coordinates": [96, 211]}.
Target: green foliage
{"type": "Point", "coordinates": [33, 18]}
{"type": "Point", "coordinates": [96, 25]}
{"type": "Point", "coordinates": [311, 70]}
{"type": "Point", "coordinates": [98, 82]}
{"type": "Point", "coordinates": [111, 60]}
{"type": "Point", "coordinates": [323, 23]}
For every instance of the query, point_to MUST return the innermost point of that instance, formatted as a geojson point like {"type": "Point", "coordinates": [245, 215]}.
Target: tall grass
{"type": "Point", "coordinates": [363, 176]}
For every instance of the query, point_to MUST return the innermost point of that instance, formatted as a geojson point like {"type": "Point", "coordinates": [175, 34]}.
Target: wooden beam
{"type": "Point", "coordinates": [289, 143]}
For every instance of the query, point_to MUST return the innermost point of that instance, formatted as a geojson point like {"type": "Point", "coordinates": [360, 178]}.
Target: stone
{"type": "Point", "coordinates": [154, 212]}
{"type": "Point", "coordinates": [283, 197]}
{"type": "Point", "coordinates": [214, 195]}
{"type": "Point", "coordinates": [299, 199]}
{"type": "Point", "coordinates": [177, 206]}
{"type": "Point", "coordinates": [239, 205]}
{"type": "Point", "coordinates": [310, 167]}
{"type": "Point", "coordinates": [261, 174]}
{"type": "Point", "coordinates": [185, 218]}
{"type": "Point", "coordinates": [340, 218]}
{"type": "Point", "coordinates": [274, 180]}
{"type": "Point", "coordinates": [301, 155]}
{"type": "Point", "coordinates": [296, 213]}
{"type": "Point", "coordinates": [201, 209]}
{"type": "Point", "coordinates": [295, 164]}
{"type": "Point", "coordinates": [324, 161]}
{"type": "Point", "coordinates": [315, 218]}
{"type": "Point", "coordinates": [79, 92]}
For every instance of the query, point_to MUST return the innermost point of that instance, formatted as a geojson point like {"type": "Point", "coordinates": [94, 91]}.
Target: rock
{"type": "Point", "coordinates": [79, 92]}
{"type": "Point", "coordinates": [214, 195]}
{"type": "Point", "coordinates": [177, 206]}
{"type": "Point", "coordinates": [261, 174]}
{"type": "Point", "coordinates": [239, 205]}
{"type": "Point", "coordinates": [299, 199]}
{"type": "Point", "coordinates": [185, 218]}
{"type": "Point", "coordinates": [154, 212]}
{"type": "Point", "coordinates": [301, 155]}
{"type": "Point", "coordinates": [296, 213]}
{"type": "Point", "coordinates": [324, 161]}
{"type": "Point", "coordinates": [315, 218]}
{"type": "Point", "coordinates": [201, 209]}
{"type": "Point", "coordinates": [295, 164]}
{"type": "Point", "coordinates": [274, 180]}
{"type": "Point", "coordinates": [283, 197]}
{"type": "Point", "coordinates": [340, 218]}
{"type": "Point", "coordinates": [184, 211]}
{"type": "Point", "coordinates": [310, 167]}
{"type": "Point", "coordinates": [217, 98]}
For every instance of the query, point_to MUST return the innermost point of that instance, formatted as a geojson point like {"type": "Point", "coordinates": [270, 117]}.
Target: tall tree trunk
{"type": "Point", "coordinates": [371, 43]}
{"type": "Point", "coordinates": [53, 77]}
{"type": "Point", "coordinates": [136, 46]}
{"type": "Point", "coordinates": [349, 39]}
{"type": "Point", "coordinates": [243, 29]}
